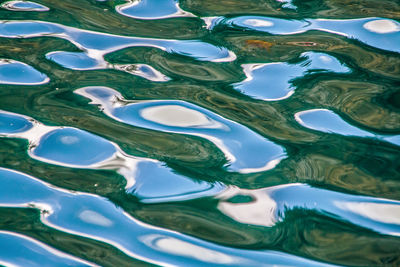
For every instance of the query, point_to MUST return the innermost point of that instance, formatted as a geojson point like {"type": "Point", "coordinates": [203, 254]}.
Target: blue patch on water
{"type": "Point", "coordinates": [273, 81]}
{"type": "Point", "coordinates": [24, 6]}
{"type": "Point", "coordinates": [197, 49]}
{"type": "Point", "coordinates": [34, 252]}
{"type": "Point", "coordinates": [73, 60]}
{"type": "Point", "coordinates": [74, 147]}
{"type": "Point", "coordinates": [149, 9]}
{"type": "Point", "coordinates": [14, 72]}
{"type": "Point", "coordinates": [268, 24]}
{"type": "Point", "coordinates": [327, 121]}
{"type": "Point", "coordinates": [11, 123]}
{"type": "Point", "coordinates": [170, 186]}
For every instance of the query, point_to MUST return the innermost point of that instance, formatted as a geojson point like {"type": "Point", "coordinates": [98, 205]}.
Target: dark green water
{"type": "Point", "coordinates": [199, 132]}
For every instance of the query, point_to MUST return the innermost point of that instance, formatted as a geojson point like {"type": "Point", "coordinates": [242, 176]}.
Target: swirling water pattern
{"type": "Point", "coordinates": [193, 133]}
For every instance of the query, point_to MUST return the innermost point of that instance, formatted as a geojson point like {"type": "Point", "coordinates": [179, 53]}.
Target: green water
{"type": "Point", "coordinates": [202, 132]}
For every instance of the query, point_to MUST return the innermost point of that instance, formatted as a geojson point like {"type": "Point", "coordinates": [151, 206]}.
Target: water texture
{"type": "Point", "coordinates": [199, 133]}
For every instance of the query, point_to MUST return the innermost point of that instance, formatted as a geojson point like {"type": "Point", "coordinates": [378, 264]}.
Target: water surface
{"type": "Point", "coordinates": [196, 133]}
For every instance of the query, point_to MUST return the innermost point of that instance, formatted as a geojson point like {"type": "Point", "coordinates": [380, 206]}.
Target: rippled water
{"type": "Point", "coordinates": [199, 132]}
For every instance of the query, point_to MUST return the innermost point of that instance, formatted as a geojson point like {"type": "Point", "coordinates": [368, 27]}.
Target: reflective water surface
{"type": "Point", "coordinates": [197, 133]}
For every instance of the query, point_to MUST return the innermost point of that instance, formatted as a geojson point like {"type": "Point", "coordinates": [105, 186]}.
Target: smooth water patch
{"type": "Point", "coordinates": [274, 81]}
{"type": "Point", "coordinates": [152, 9]}
{"type": "Point", "coordinates": [18, 73]}
{"type": "Point", "coordinates": [24, 6]}
{"type": "Point", "coordinates": [381, 33]}
{"type": "Point", "coordinates": [245, 150]}
{"type": "Point", "coordinates": [327, 121]}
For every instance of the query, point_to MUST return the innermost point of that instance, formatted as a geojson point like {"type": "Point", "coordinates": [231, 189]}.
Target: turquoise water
{"type": "Point", "coordinates": [196, 133]}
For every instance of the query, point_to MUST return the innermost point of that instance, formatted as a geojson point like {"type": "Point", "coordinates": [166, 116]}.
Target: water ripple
{"type": "Point", "coordinates": [97, 218]}
{"type": "Point", "coordinates": [273, 81]}
{"type": "Point", "coordinates": [268, 206]}
{"type": "Point", "coordinates": [82, 61]}
{"type": "Point", "coordinates": [221, 133]}
{"type": "Point", "coordinates": [76, 148]}
{"type": "Point", "coordinates": [327, 121]}
{"type": "Point", "coordinates": [246, 151]}
{"type": "Point", "coordinates": [96, 44]}
{"type": "Point", "coordinates": [377, 32]}
{"type": "Point", "coordinates": [35, 253]}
